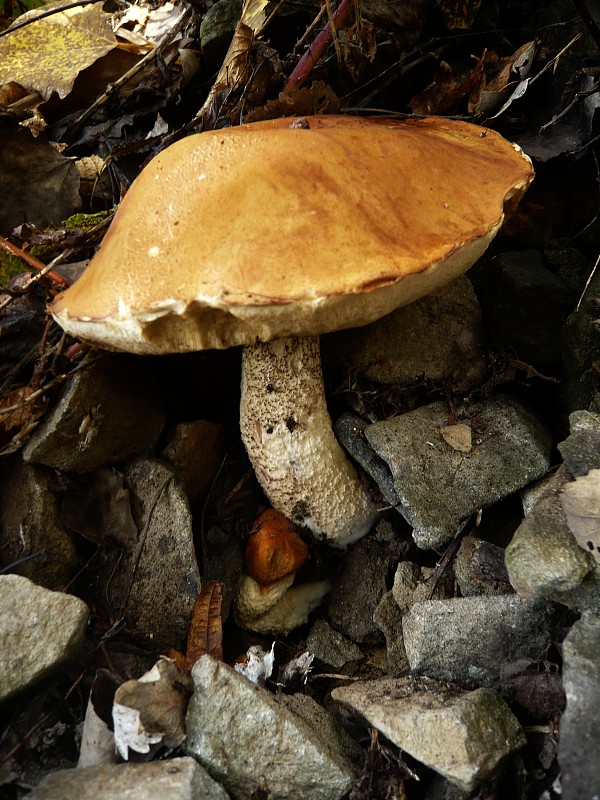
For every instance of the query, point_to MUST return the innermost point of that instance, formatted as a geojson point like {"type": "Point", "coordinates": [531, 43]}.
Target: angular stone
{"type": "Point", "coordinates": [330, 647]}
{"type": "Point", "coordinates": [195, 450]}
{"type": "Point", "coordinates": [440, 486]}
{"type": "Point", "coordinates": [464, 736]}
{"type": "Point", "coordinates": [388, 618]}
{"type": "Point", "coordinates": [467, 639]}
{"type": "Point", "coordinates": [173, 779]}
{"type": "Point", "coordinates": [244, 735]}
{"type": "Point", "coordinates": [106, 413]}
{"type": "Point", "coordinates": [581, 449]}
{"type": "Point", "coordinates": [29, 525]}
{"type": "Point", "coordinates": [579, 746]}
{"type": "Point", "coordinates": [437, 338]}
{"type": "Point", "coordinates": [543, 559]}
{"type": "Point", "coordinates": [158, 583]}
{"type": "Point", "coordinates": [362, 582]}
{"type": "Point", "coordinates": [40, 630]}
{"type": "Point", "coordinates": [480, 568]}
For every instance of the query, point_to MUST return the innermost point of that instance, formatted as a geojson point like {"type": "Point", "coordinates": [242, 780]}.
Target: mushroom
{"type": "Point", "coordinates": [274, 549]}
{"type": "Point", "coordinates": [266, 601]}
{"type": "Point", "coordinates": [269, 234]}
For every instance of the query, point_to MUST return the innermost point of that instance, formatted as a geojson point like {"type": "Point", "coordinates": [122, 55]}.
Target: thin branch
{"type": "Point", "coordinates": [305, 66]}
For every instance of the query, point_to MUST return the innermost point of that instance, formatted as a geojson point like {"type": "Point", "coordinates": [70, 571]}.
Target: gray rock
{"type": "Point", "coordinates": [106, 413]}
{"type": "Point", "coordinates": [40, 631]}
{"type": "Point", "coordinates": [331, 648]}
{"type": "Point", "coordinates": [581, 449]}
{"type": "Point", "coordinates": [467, 639]}
{"type": "Point", "coordinates": [464, 736]}
{"type": "Point", "coordinates": [358, 588]}
{"type": "Point", "coordinates": [479, 568]}
{"type": "Point", "coordinates": [157, 584]}
{"type": "Point", "coordinates": [543, 559]}
{"type": "Point", "coordinates": [218, 24]}
{"type": "Point", "coordinates": [439, 485]}
{"type": "Point", "coordinates": [437, 338]}
{"type": "Point", "coordinates": [579, 746]}
{"type": "Point", "coordinates": [244, 735]}
{"type": "Point", "coordinates": [406, 579]}
{"type": "Point", "coordinates": [350, 432]}
{"type": "Point", "coordinates": [195, 450]}
{"type": "Point", "coordinates": [173, 779]}
{"type": "Point", "coordinates": [525, 305]}
{"type": "Point", "coordinates": [413, 583]}
{"type": "Point", "coordinates": [581, 350]}
{"type": "Point", "coordinates": [388, 618]}
{"type": "Point", "coordinates": [29, 525]}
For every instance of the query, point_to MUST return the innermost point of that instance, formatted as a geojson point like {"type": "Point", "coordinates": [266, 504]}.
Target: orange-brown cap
{"type": "Point", "coordinates": [277, 229]}
{"type": "Point", "coordinates": [275, 550]}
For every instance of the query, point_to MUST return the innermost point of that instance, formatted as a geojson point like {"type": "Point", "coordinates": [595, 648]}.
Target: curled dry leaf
{"type": "Point", "coordinates": [152, 709]}
{"type": "Point", "coordinates": [236, 63]}
{"type": "Point", "coordinates": [256, 664]}
{"type": "Point", "coordinates": [580, 500]}
{"type": "Point", "coordinates": [205, 636]}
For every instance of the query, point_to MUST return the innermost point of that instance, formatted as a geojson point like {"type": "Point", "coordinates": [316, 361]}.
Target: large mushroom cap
{"type": "Point", "coordinates": [291, 228]}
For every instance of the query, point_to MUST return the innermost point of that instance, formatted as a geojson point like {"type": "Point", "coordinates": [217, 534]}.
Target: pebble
{"type": "Point", "coordinates": [332, 648]}
{"type": "Point", "coordinates": [543, 559]}
{"type": "Point", "coordinates": [461, 735]}
{"type": "Point", "coordinates": [40, 631]}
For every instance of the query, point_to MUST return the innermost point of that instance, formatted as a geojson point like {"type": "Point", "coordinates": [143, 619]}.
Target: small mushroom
{"type": "Point", "coordinates": [266, 601]}
{"type": "Point", "coordinates": [279, 609]}
{"type": "Point", "coordinates": [269, 234]}
{"type": "Point", "coordinates": [274, 550]}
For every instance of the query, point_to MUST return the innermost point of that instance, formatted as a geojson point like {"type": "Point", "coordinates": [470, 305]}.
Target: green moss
{"type": "Point", "coordinates": [9, 267]}
{"type": "Point", "coordinates": [85, 222]}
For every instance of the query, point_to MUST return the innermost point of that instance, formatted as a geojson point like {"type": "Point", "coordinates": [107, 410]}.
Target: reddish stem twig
{"type": "Point", "coordinates": [304, 67]}
{"type": "Point", "coordinates": [9, 247]}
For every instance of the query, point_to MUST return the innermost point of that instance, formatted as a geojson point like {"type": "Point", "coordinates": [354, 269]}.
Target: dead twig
{"type": "Point", "coordinates": [302, 70]}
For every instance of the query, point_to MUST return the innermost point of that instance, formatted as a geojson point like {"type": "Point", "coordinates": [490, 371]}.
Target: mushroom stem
{"type": "Point", "coordinates": [286, 429]}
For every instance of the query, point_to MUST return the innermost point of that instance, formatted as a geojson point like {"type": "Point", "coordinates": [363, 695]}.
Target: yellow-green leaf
{"type": "Point", "coordinates": [47, 55]}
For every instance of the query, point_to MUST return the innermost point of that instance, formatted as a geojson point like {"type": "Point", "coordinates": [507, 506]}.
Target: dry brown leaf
{"type": "Point", "coordinates": [43, 185]}
{"type": "Point", "coordinates": [47, 55]}
{"type": "Point", "coordinates": [151, 709]}
{"type": "Point", "coordinates": [459, 437]}
{"type": "Point", "coordinates": [580, 500]}
{"type": "Point", "coordinates": [459, 14]}
{"type": "Point", "coordinates": [205, 636]}
{"type": "Point", "coordinates": [236, 63]}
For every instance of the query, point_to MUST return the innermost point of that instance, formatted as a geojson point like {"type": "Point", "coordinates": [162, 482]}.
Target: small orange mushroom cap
{"type": "Point", "coordinates": [275, 550]}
